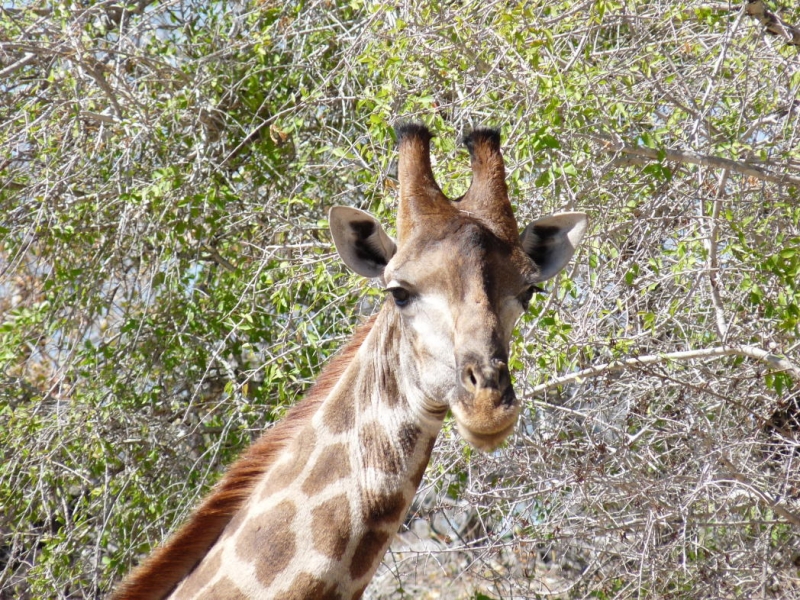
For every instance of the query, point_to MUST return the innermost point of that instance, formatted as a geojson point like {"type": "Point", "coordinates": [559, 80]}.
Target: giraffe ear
{"type": "Point", "coordinates": [551, 241]}
{"type": "Point", "coordinates": [360, 240]}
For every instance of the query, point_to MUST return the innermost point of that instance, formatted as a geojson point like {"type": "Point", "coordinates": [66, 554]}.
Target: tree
{"type": "Point", "coordinates": [168, 288]}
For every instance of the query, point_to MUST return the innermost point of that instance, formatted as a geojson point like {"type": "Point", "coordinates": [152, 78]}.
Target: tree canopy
{"type": "Point", "coordinates": [168, 285]}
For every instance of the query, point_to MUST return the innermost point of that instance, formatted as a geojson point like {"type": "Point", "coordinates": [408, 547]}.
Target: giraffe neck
{"type": "Point", "coordinates": [319, 521]}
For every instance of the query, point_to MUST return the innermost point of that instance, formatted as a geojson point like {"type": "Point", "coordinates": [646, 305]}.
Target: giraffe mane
{"type": "Point", "coordinates": [158, 575]}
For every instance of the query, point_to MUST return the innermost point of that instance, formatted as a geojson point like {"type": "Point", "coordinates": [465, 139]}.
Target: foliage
{"type": "Point", "coordinates": [167, 286]}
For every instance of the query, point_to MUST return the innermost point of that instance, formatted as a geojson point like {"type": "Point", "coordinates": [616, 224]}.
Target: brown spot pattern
{"type": "Point", "coordinates": [331, 525]}
{"type": "Point", "coordinates": [382, 510]}
{"type": "Point", "coordinates": [224, 589]}
{"type": "Point", "coordinates": [387, 380]}
{"type": "Point", "coordinates": [287, 472]}
{"type": "Point", "coordinates": [364, 389]}
{"type": "Point", "coordinates": [339, 416]}
{"type": "Point", "coordinates": [332, 465]}
{"type": "Point", "coordinates": [379, 452]}
{"type": "Point", "coordinates": [408, 436]}
{"type": "Point", "coordinates": [269, 541]}
{"type": "Point", "coordinates": [380, 376]}
{"type": "Point", "coordinates": [201, 576]}
{"type": "Point", "coordinates": [416, 478]}
{"type": "Point", "coordinates": [368, 552]}
{"type": "Point", "coordinates": [389, 369]}
{"type": "Point", "coordinates": [306, 586]}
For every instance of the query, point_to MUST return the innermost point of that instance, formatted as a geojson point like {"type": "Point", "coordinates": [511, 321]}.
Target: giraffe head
{"type": "Point", "coordinates": [459, 275]}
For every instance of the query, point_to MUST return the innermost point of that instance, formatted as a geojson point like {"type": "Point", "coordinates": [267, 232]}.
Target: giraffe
{"type": "Point", "coordinates": [310, 508]}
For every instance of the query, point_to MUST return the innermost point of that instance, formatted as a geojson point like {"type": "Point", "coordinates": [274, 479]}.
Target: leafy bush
{"type": "Point", "coordinates": [167, 285]}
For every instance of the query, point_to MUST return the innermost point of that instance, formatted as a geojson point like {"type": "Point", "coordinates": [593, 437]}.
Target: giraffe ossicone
{"type": "Point", "coordinates": [310, 508]}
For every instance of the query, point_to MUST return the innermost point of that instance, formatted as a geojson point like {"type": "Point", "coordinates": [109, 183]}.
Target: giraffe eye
{"type": "Point", "coordinates": [401, 296]}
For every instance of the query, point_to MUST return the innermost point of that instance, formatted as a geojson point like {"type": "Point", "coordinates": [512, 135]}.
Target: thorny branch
{"type": "Point", "coordinates": [615, 145]}
{"type": "Point", "coordinates": [774, 362]}
{"type": "Point", "coordinates": [773, 24]}
{"type": "Point", "coordinates": [167, 286]}
{"type": "Point", "coordinates": [711, 244]}
{"type": "Point", "coordinates": [756, 9]}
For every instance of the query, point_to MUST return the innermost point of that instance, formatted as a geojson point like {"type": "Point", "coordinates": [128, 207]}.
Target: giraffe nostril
{"type": "Point", "coordinates": [479, 375]}
{"type": "Point", "coordinates": [469, 378]}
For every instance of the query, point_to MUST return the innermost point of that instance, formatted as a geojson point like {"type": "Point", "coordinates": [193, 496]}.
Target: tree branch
{"type": "Point", "coordinates": [772, 23]}
{"type": "Point", "coordinates": [22, 62]}
{"type": "Point", "coordinates": [765, 498]}
{"type": "Point", "coordinates": [716, 162]}
{"type": "Point", "coordinates": [772, 360]}
{"type": "Point", "coordinates": [757, 10]}
{"type": "Point", "coordinates": [710, 243]}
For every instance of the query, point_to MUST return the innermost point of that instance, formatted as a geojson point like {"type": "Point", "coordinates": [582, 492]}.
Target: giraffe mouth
{"type": "Point", "coordinates": [487, 418]}
{"type": "Point", "coordinates": [485, 442]}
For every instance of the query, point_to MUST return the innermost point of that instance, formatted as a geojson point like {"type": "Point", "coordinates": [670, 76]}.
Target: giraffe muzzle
{"type": "Point", "coordinates": [492, 375]}
{"type": "Point", "coordinates": [486, 410]}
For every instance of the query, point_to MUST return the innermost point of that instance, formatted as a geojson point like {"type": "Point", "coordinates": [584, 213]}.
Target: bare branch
{"type": "Point", "coordinates": [716, 162]}
{"type": "Point", "coordinates": [95, 116]}
{"type": "Point", "coordinates": [713, 262]}
{"type": "Point", "coordinates": [763, 496]}
{"type": "Point", "coordinates": [772, 360]}
{"type": "Point", "coordinates": [22, 62]}
{"type": "Point", "coordinates": [772, 23]}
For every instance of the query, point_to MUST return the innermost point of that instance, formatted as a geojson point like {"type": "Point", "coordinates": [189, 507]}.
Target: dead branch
{"type": "Point", "coordinates": [716, 162]}
{"type": "Point", "coordinates": [772, 23]}
{"type": "Point", "coordinates": [772, 360]}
